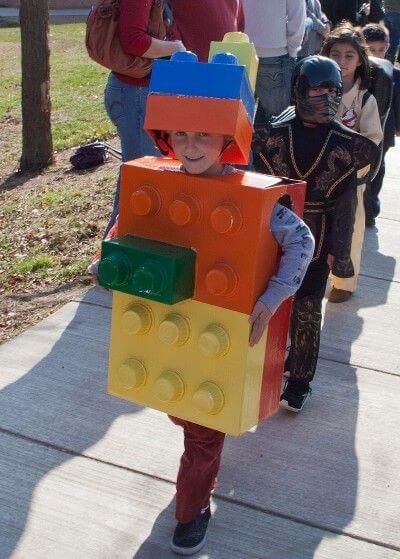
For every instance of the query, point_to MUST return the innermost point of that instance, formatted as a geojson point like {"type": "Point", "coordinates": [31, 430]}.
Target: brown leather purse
{"type": "Point", "coordinates": [102, 38]}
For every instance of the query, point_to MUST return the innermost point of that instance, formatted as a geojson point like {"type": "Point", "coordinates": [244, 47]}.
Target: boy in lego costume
{"type": "Point", "coordinates": [206, 135]}
{"type": "Point", "coordinates": [307, 143]}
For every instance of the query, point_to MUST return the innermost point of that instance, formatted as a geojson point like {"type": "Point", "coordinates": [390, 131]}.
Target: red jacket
{"type": "Point", "coordinates": [196, 23]}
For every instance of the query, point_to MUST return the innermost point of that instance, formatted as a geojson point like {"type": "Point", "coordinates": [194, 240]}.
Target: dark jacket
{"type": "Point", "coordinates": [337, 10]}
{"type": "Point", "coordinates": [280, 149]}
{"type": "Point", "coordinates": [393, 120]}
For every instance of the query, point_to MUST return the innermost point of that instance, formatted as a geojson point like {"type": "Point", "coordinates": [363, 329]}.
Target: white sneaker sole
{"type": "Point", "coordinates": [285, 405]}
{"type": "Point", "coordinates": [187, 551]}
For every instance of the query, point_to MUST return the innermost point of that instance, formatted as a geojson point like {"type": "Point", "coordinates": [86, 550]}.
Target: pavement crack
{"type": "Point", "coordinates": [379, 278]}
{"type": "Point", "coordinates": [91, 303]}
{"type": "Point", "coordinates": [302, 521]}
{"type": "Point", "coordinates": [216, 495]}
{"type": "Point", "coordinates": [358, 366]}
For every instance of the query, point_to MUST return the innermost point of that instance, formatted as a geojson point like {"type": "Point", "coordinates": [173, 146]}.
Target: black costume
{"type": "Point", "coordinates": [327, 155]}
{"type": "Point", "coordinates": [338, 10]}
{"type": "Point", "coordinates": [385, 86]}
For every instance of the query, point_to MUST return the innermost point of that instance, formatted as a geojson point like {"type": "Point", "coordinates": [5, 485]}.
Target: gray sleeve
{"type": "Point", "coordinates": [296, 18]}
{"type": "Point", "coordinates": [297, 244]}
{"type": "Point", "coordinates": [319, 19]}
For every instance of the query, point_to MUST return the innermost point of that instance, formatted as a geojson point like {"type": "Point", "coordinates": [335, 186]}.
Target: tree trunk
{"type": "Point", "coordinates": [37, 145]}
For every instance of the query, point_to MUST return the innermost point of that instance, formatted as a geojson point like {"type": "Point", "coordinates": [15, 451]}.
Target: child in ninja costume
{"type": "Point", "coordinates": [308, 144]}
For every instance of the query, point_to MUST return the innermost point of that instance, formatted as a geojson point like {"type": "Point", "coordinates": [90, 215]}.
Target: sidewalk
{"type": "Point", "coordinates": [87, 476]}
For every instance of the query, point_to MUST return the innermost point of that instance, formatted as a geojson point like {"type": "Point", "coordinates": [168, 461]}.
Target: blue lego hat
{"type": "Point", "coordinates": [193, 96]}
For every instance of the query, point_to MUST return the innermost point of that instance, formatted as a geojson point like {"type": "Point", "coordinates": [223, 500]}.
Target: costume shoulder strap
{"type": "Point", "coordinates": [288, 115]}
{"type": "Point", "coordinates": [365, 98]}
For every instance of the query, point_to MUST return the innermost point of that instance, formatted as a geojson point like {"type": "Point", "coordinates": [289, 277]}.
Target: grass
{"type": "Point", "coordinates": [51, 226]}
{"type": "Point", "coordinates": [77, 86]}
{"type": "Point", "coordinates": [34, 263]}
{"type": "Point", "coordinates": [8, 209]}
{"type": "Point", "coordinates": [52, 221]}
{"type": "Point", "coordinates": [72, 270]}
{"type": "Point", "coordinates": [56, 197]}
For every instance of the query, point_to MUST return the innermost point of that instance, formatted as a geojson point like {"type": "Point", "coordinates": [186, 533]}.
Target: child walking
{"type": "Point", "coordinates": [204, 145]}
{"type": "Point", "coordinates": [327, 155]}
{"type": "Point", "coordinates": [200, 154]}
{"type": "Point", "coordinates": [358, 110]}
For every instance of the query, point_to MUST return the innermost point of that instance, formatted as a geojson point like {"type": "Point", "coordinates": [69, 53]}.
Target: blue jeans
{"type": "Point", "coordinates": [126, 106]}
{"type": "Point", "coordinates": [273, 85]}
{"type": "Point", "coordinates": [393, 19]}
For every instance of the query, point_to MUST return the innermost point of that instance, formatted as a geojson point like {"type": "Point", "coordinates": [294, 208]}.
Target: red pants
{"type": "Point", "coordinates": [198, 469]}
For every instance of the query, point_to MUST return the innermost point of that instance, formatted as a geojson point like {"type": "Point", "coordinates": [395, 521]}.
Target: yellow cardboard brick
{"type": "Point", "coordinates": [191, 360]}
{"type": "Point", "coordinates": [238, 44]}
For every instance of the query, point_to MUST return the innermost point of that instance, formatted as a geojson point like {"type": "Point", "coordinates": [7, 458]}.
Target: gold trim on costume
{"type": "Point", "coordinates": [316, 162]}
{"type": "Point", "coordinates": [321, 239]}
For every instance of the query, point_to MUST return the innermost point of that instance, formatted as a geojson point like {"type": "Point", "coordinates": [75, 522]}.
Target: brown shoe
{"type": "Point", "coordinates": [339, 295]}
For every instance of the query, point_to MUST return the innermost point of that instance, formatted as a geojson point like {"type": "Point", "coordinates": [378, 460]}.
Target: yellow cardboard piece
{"type": "Point", "coordinates": [238, 44]}
{"type": "Point", "coordinates": [191, 360]}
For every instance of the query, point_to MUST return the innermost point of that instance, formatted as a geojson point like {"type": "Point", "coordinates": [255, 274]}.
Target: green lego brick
{"type": "Point", "coordinates": [150, 269]}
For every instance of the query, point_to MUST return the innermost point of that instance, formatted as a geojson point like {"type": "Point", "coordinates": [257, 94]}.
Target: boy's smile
{"type": "Point", "coordinates": [193, 158]}
{"type": "Point", "coordinates": [199, 152]}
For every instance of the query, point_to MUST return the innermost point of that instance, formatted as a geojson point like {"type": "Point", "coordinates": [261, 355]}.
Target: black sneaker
{"type": "Point", "coordinates": [190, 538]}
{"type": "Point", "coordinates": [294, 396]}
{"type": "Point", "coordinates": [286, 367]}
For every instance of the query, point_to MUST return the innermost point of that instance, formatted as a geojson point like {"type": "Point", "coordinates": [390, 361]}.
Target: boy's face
{"type": "Point", "coordinates": [199, 152]}
{"type": "Point", "coordinates": [378, 48]}
{"type": "Point", "coordinates": [321, 90]}
{"type": "Point", "coordinates": [320, 105]}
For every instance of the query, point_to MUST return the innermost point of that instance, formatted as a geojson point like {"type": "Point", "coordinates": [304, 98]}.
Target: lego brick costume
{"type": "Point", "coordinates": [193, 254]}
{"type": "Point", "coordinates": [327, 155]}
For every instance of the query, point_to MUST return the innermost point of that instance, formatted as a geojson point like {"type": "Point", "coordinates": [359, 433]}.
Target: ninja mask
{"type": "Point", "coordinates": [312, 72]}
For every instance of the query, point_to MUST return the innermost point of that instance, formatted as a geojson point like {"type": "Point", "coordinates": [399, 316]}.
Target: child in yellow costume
{"type": "Point", "coordinates": [200, 154]}
{"type": "Point", "coordinates": [203, 153]}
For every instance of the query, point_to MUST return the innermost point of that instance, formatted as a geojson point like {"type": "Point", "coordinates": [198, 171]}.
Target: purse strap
{"type": "Point", "coordinates": [156, 27]}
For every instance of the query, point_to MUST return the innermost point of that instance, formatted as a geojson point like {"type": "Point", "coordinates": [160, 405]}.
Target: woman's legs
{"type": "Point", "coordinates": [273, 86]}
{"type": "Point", "coordinates": [126, 107]}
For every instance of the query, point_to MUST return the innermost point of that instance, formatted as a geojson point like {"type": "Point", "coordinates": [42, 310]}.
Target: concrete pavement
{"type": "Point", "coordinates": [84, 475]}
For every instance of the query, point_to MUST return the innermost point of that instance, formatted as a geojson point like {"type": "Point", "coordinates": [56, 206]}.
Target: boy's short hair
{"type": "Point", "coordinates": [374, 32]}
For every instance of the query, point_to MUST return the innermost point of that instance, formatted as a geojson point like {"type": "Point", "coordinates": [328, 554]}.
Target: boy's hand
{"type": "Point", "coordinates": [258, 320]}
{"type": "Point", "coordinates": [366, 8]}
{"type": "Point", "coordinates": [93, 270]}
{"type": "Point", "coordinates": [178, 46]}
